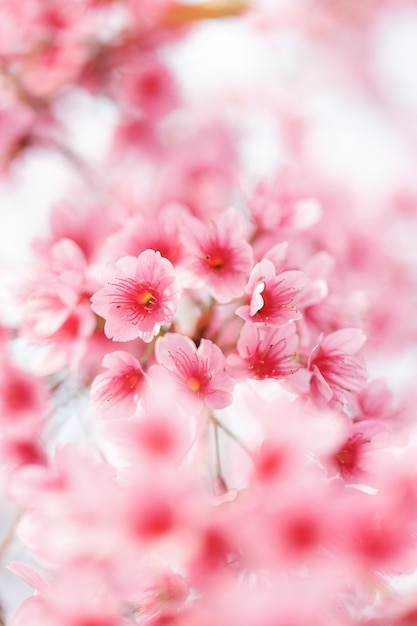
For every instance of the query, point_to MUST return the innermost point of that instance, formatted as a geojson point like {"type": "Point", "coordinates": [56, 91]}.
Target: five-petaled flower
{"type": "Point", "coordinates": [141, 294]}
{"type": "Point", "coordinates": [217, 255]}
{"type": "Point", "coordinates": [273, 297]}
{"type": "Point", "coordinates": [198, 372]}
{"type": "Point", "coordinates": [264, 352]}
{"type": "Point", "coordinates": [337, 370]}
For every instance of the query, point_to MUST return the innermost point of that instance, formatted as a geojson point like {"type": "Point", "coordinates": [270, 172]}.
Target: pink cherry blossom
{"type": "Point", "coordinates": [198, 372]}
{"type": "Point", "coordinates": [148, 88]}
{"type": "Point", "coordinates": [217, 255]}
{"type": "Point", "coordinates": [155, 228]}
{"type": "Point", "coordinates": [273, 297]}
{"type": "Point", "coordinates": [232, 465]}
{"type": "Point", "coordinates": [337, 371]}
{"type": "Point", "coordinates": [115, 391]}
{"type": "Point", "coordinates": [23, 401]}
{"type": "Point", "coordinates": [56, 290]}
{"type": "Point", "coordinates": [141, 294]}
{"type": "Point", "coordinates": [265, 352]}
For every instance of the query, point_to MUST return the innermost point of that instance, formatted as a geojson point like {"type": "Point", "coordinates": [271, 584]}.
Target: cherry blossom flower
{"type": "Point", "coordinates": [337, 371]}
{"type": "Point", "coordinates": [157, 230]}
{"type": "Point", "coordinates": [147, 87]}
{"type": "Point", "coordinates": [273, 297]}
{"type": "Point", "coordinates": [217, 255]}
{"type": "Point", "coordinates": [56, 289]}
{"type": "Point", "coordinates": [348, 457]}
{"type": "Point", "coordinates": [201, 175]}
{"type": "Point", "coordinates": [115, 391]}
{"type": "Point", "coordinates": [201, 500]}
{"type": "Point", "coordinates": [198, 372]}
{"type": "Point", "coordinates": [141, 294]}
{"type": "Point", "coordinates": [265, 352]}
{"type": "Point", "coordinates": [23, 401]}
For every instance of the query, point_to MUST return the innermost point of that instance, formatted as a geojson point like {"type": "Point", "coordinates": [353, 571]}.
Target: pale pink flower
{"type": "Point", "coordinates": [273, 297]}
{"type": "Point", "coordinates": [199, 372]}
{"type": "Point", "coordinates": [56, 311]}
{"type": "Point", "coordinates": [217, 255]}
{"type": "Point", "coordinates": [201, 174]}
{"type": "Point", "coordinates": [55, 290]}
{"type": "Point", "coordinates": [68, 345]}
{"type": "Point", "coordinates": [115, 391]}
{"type": "Point", "coordinates": [284, 204]}
{"type": "Point", "coordinates": [162, 434]}
{"type": "Point", "coordinates": [264, 352]}
{"type": "Point", "coordinates": [141, 294]}
{"type": "Point", "coordinates": [336, 369]}
{"type": "Point", "coordinates": [375, 402]}
{"type": "Point", "coordinates": [156, 228]}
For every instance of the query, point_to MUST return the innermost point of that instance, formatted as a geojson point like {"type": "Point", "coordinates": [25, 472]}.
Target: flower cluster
{"type": "Point", "coordinates": [193, 425]}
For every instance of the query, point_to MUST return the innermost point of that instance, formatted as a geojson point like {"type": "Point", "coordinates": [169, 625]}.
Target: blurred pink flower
{"type": "Point", "coordinates": [23, 401]}
{"type": "Point", "coordinates": [337, 371]}
{"type": "Point", "coordinates": [115, 391]}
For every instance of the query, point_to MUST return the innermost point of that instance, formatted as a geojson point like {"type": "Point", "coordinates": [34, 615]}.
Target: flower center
{"type": "Point", "coordinates": [147, 299]}
{"type": "Point", "coordinates": [215, 262]}
{"type": "Point", "coordinates": [137, 299]}
{"type": "Point", "coordinates": [193, 384]}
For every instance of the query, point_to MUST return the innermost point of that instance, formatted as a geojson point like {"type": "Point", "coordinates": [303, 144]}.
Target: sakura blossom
{"type": "Point", "coordinates": [198, 372]}
{"type": "Point", "coordinates": [273, 297]}
{"type": "Point", "coordinates": [115, 391]}
{"type": "Point", "coordinates": [141, 295]}
{"type": "Point", "coordinates": [336, 370]}
{"type": "Point", "coordinates": [265, 353]}
{"type": "Point", "coordinates": [217, 255]}
{"type": "Point", "coordinates": [207, 332]}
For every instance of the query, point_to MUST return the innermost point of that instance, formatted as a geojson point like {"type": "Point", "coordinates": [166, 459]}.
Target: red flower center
{"type": "Point", "coordinates": [137, 299]}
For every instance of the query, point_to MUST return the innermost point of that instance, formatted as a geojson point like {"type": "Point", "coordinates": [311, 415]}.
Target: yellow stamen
{"type": "Point", "coordinates": [146, 299]}
{"type": "Point", "coordinates": [193, 384]}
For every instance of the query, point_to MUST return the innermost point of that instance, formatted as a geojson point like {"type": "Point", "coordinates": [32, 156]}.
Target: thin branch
{"type": "Point", "coordinates": [232, 435]}
{"type": "Point", "coordinates": [8, 539]}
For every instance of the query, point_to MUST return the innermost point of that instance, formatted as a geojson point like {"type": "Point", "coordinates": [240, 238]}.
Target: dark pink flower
{"type": "Point", "coordinates": [347, 458]}
{"type": "Point", "coordinates": [141, 294]}
{"type": "Point", "coordinates": [218, 256]}
{"type": "Point", "coordinates": [265, 352]}
{"type": "Point", "coordinates": [199, 372]}
{"type": "Point", "coordinates": [273, 297]}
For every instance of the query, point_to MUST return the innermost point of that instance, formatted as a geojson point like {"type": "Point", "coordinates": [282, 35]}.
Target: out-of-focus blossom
{"type": "Point", "coordinates": [115, 391]}
{"type": "Point", "coordinates": [337, 371]}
